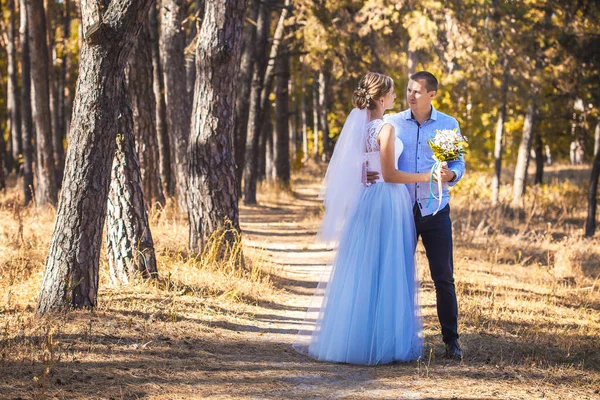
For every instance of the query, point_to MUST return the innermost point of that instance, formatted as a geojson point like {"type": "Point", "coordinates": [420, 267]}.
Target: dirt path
{"type": "Point", "coordinates": [265, 367]}
{"type": "Point", "coordinates": [524, 336]}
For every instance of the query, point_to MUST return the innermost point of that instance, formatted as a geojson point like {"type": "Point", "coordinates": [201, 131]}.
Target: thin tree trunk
{"type": "Point", "coordinates": [12, 104]}
{"type": "Point", "coordinates": [242, 109]}
{"type": "Point", "coordinates": [63, 108]}
{"type": "Point", "coordinates": [190, 56]}
{"type": "Point", "coordinates": [46, 190]}
{"type": "Point", "coordinates": [520, 180]}
{"type": "Point", "coordinates": [281, 144]}
{"type": "Point", "coordinates": [26, 115]}
{"type": "Point", "coordinates": [162, 135]}
{"type": "Point", "coordinates": [597, 139]}
{"type": "Point", "coordinates": [293, 118]}
{"type": "Point", "coordinates": [315, 95]}
{"type": "Point", "coordinates": [143, 102]}
{"type": "Point", "coordinates": [172, 47]}
{"type": "Point", "coordinates": [539, 158]}
{"type": "Point", "coordinates": [54, 88]}
{"type": "Point", "coordinates": [267, 172]}
{"type": "Point", "coordinates": [303, 115]}
{"type": "Point", "coordinates": [71, 275]}
{"type": "Point", "coordinates": [129, 244]}
{"type": "Point", "coordinates": [590, 222]}
{"type": "Point", "coordinates": [498, 150]}
{"type": "Point", "coordinates": [254, 113]}
{"type": "Point", "coordinates": [323, 105]}
{"type": "Point", "coordinates": [213, 196]}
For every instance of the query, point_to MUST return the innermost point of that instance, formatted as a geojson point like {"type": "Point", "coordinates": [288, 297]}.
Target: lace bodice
{"type": "Point", "coordinates": [373, 150]}
{"type": "Point", "coordinates": [373, 129]}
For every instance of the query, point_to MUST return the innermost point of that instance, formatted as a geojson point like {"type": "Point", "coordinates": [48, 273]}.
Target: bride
{"type": "Point", "coordinates": [369, 313]}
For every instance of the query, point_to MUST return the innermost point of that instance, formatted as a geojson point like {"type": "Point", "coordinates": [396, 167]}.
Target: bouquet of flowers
{"type": "Point", "coordinates": [447, 145]}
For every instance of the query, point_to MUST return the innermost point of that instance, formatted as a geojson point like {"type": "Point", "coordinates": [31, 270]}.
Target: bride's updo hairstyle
{"type": "Point", "coordinates": [371, 88]}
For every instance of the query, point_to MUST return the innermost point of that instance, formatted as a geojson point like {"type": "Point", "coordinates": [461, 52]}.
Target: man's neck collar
{"type": "Point", "coordinates": [432, 116]}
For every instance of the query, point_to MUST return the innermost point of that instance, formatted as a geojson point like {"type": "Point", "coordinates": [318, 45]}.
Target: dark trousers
{"type": "Point", "coordinates": [436, 233]}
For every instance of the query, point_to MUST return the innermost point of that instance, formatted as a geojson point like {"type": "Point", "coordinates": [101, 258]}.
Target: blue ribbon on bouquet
{"type": "Point", "coordinates": [432, 196]}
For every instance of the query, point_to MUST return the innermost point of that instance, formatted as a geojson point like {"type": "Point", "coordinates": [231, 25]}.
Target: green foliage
{"type": "Point", "coordinates": [549, 50]}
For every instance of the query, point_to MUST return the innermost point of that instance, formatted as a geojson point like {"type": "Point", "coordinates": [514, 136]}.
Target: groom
{"type": "Point", "coordinates": [415, 127]}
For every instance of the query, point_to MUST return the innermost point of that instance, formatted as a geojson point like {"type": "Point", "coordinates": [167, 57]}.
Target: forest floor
{"type": "Point", "coordinates": [527, 282]}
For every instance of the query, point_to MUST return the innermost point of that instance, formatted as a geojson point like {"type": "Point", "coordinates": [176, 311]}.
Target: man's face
{"type": "Point", "coordinates": [419, 99]}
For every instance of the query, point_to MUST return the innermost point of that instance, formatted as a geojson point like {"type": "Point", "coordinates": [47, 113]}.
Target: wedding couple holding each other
{"type": "Point", "coordinates": [377, 204]}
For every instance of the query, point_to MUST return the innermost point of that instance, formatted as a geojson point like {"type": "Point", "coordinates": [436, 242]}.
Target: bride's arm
{"type": "Point", "coordinates": [386, 139]}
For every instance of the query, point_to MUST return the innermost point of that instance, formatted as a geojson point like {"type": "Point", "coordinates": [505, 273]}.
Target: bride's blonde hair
{"type": "Point", "coordinates": [371, 87]}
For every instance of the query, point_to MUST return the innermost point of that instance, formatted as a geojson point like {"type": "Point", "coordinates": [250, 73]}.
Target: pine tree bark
{"type": "Point", "coordinates": [129, 244]}
{"type": "Point", "coordinates": [54, 87]}
{"type": "Point", "coordinates": [26, 114]}
{"type": "Point", "coordinates": [143, 103]}
{"type": "Point", "coordinates": [164, 147]}
{"type": "Point", "coordinates": [315, 96]}
{"type": "Point", "coordinates": [266, 171]}
{"type": "Point", "coordinates": [71, 275]}
{"type": "Point", "coordinates": [282, 116]}
{"type": "Point", "coordinates": [213, 196]}
{"type": "Point", "coordinates": [172, 48]}
{"type": "Point", "coordinates": [46, 191]}
{"type": "Point", "coordinates": [12, 88]}
{"type": "Point", "coordinates": [590, 222]}
{"type": "Point", "coordinates": [303, 115]}
{"type": "Point", "coordinates": [323, 106]}
{"type": "Point", "coordinates": [242, 108]}
{"type": "Point", "coordinates": [520, 179]}
{"type": "Point", "coordinates": [254, 113]}
{"type": "Point", "coordinates": [539, 158]}
{"type": "Point", "coordinates": [498, 143]}
{"type": "Point", "coordinates": [597, 139]}
{"type": "Point", "coordinates": [63, 115]}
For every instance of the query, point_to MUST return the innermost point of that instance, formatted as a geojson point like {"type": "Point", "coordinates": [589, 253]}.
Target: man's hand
{"type": "Point", "coordinates": [372, 176]}
{"type": "Point", "coordinates": [444, 174]}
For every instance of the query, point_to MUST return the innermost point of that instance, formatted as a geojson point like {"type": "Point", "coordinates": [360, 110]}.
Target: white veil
{"type": "Point", "coordinates": [340, 192]}
{"type": "Point", "coordinates": [342, 182]}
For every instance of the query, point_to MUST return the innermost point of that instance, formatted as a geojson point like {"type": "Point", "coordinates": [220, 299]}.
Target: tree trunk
{"type": "Point", "coordinates": [213, 197]}
{"type": "Point", "coordinates": [590, 222]}
{"type": "Point", "coordinates": [597, 139]}
{"type": "Point", "coordinates": [172, 48]}
{"type": "Point", "coordinates": [143, 102]}
{"type": "Point", "coordinates": [315, 95]}
{"type": "Point", "coordinates": [303, 115]}
{"type": "Point", "coordinates": [190, 57]}
{"type": "Point", "coordinates": [267, 170]}
{"type": "Point", "coordinates": [293, 117]}
{"type": "Point", "coordinates": [71, 275]}
{"type": "Point", "coordinates": [539, 158]}
{"type": "Point", "coordinates": [498, 150]}
{"type": "Point", "coordinates": [26, 117]}
{"type": "Point", "coordinates": [54, 86]}
{"type": "Point", "coordinates": [12, 104]}
{"type": "Point", "coordinates": [520, 180]}
{"type": "Point", "coordinates": [46, 191]}
{"type": "Point", "coordinates": [282, 116]}
{"type": "Point", "coordinates": [63, 114]}
{"type": "Point", "coordinates": [254, 113]}
{"type": "Point", "coordinates": [164, 147]}
{"type": "Point", "coordinates": [242, 108]}
{"type": "Point", "coordinates": [323, 106]}
{"type": "Point", "coordinates": [129, 243]}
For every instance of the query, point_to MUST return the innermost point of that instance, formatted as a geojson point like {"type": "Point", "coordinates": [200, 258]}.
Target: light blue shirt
{"type": "Point", "coordinates": [418, 157]}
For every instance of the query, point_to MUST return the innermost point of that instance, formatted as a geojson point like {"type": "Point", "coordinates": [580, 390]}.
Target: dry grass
{"type": "Point", "coordinates": [527, 282]}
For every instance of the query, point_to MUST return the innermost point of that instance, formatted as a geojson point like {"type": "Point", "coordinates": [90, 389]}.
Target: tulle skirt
{"type": "Point", "coordinates": [370, 313]}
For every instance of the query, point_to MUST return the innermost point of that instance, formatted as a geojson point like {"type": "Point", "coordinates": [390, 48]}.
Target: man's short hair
{"type": "Point", "coordinates": [431, 83]}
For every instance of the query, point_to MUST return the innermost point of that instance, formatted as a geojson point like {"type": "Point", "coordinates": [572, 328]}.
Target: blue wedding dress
{"type": "Point", "coordinates": [370, 313]}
